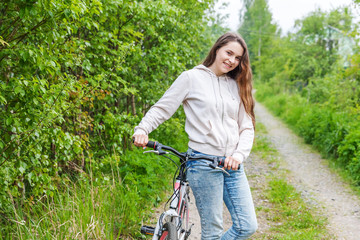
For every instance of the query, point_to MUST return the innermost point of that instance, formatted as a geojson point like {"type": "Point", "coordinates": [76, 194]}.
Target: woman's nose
{"type": "Point", "coordinates": [232, 59]}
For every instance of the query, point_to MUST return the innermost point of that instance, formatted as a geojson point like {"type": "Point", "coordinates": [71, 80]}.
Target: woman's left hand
{"type": "Point", "coordinates": [231, 163]}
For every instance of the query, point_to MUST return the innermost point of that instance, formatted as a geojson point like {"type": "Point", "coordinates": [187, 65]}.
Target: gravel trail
{"type": "Point", "coordinates": [310, 175]}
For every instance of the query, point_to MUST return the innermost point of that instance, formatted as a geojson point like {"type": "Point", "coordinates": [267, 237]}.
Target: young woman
{"type": "Point", "coordinates": [219, 108]}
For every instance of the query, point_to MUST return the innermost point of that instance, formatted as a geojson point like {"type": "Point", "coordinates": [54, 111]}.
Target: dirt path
{"type": "Point", "coordinates": [310, 175]}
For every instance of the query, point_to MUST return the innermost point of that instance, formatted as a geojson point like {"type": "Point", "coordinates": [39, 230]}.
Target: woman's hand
{"type": "Point", "coordinates": [231, 163]}
{"type": "Point", "coordinates": [141, 140]}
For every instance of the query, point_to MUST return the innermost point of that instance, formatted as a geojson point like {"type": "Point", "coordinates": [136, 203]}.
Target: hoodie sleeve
{"type": "Point", "coordinates": [163, 109]}
{"type": "Point", "coordinates": [246, 138]}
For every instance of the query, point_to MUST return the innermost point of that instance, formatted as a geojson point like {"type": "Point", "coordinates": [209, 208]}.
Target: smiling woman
{"type": "Point", "coordinates": [218, 104]}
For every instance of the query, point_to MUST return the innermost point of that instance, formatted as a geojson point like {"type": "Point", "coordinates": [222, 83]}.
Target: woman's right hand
{"type": "Point", "coordinates": [141, 140]}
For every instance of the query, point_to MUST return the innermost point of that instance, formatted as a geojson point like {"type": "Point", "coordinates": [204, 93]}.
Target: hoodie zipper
{"type": "Point", "coordinates": [222, 115]}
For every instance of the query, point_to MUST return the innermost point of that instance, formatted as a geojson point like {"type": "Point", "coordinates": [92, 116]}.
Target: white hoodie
{"type": "Point", "coordinates": [216, 121]}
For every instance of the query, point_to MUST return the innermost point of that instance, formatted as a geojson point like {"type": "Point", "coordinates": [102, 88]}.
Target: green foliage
{"type": "Point", "coordinates": [320, 44]}
{"type": "Point", "coordinates": [75, 78]}
{"type": "Point", "coordinates": [107, 207]}
{"type": "Point", "coordinates": [257, 30]}
{"type": "Point", "coordinates": [256, 27]}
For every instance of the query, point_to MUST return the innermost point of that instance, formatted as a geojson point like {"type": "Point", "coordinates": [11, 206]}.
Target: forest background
{"type": "Point", "coordinates": [76, 76]}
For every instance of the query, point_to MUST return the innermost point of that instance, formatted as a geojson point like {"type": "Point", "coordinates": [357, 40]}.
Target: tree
{"type": "Point", "coordinates": [257, 29]}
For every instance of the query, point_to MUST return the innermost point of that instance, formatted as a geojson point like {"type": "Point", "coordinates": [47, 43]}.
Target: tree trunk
{"type": "Point", "coordinates": [133, 109]}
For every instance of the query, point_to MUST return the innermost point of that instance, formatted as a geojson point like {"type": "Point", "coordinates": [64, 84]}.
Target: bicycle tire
{"type": "Point", "coordinates": [169, 232]}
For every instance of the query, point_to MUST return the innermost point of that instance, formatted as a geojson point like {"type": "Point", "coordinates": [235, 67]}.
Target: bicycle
{"type": "Point", "coordinates": [173, 224]}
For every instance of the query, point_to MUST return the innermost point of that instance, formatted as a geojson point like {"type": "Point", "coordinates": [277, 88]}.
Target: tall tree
{"type": "Point", "coordinates": [257, 28]}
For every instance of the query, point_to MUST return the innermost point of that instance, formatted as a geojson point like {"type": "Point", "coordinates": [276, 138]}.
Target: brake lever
{"type": "Point", "coordinates": [223, 170]}
{"type": "Point", "coordinates": [213, 166]}
{"type": "Point", "coordinates": [152, 151]}
{"type": "Point", "coordinates": [156, 152]}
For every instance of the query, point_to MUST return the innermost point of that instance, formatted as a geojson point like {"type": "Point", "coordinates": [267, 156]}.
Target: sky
{"type": "Point", "coordinates": [285, 12]}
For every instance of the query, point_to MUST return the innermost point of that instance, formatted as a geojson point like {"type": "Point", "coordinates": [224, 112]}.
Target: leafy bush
{"type": "Point", "coordinates": [75, 78]}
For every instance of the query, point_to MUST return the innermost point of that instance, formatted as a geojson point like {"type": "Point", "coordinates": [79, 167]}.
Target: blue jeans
{"type": "Point", "coordinates": [210, 187]}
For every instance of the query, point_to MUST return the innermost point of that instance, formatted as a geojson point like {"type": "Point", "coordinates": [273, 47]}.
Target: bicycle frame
{"type": "Point", "coordinates": [174, 223]}
{"type": "Point", "coordinates": [178, 212]}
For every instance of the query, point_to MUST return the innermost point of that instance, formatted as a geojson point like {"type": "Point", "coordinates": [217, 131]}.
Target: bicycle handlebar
{"type": "Point", "coordinates": [158, 147]}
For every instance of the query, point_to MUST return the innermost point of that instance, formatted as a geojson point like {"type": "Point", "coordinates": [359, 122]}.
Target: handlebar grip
{"type": "Point", "coordinates": [152, 144]}
{"type": "Point", "coordinates": [221, 162]}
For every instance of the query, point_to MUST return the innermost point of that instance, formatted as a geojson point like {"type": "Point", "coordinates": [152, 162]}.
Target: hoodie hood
{"type": "Point", "coordinates": [206, 69]}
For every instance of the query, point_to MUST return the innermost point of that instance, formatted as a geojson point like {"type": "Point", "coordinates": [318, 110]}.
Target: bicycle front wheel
{"type": "Point", "coordinates": [169, 232]}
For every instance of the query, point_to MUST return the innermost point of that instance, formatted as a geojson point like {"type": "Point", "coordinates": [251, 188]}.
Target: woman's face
{"type": "Point", "coordinates": [227, 58]}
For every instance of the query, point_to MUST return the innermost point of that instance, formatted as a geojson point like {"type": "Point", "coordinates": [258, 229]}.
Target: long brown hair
{"type": "Point", "coordinates": [242, 73]}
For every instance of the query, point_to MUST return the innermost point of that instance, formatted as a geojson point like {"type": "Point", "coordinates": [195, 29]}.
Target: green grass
{"type": "Point", "coordinates": [289, 216]}
{"type": "Point", "coordinates": [111, 205]}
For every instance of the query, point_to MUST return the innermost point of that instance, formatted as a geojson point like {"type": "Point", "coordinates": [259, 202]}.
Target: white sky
{"type": "Point", "coordinates": [285, 12]}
